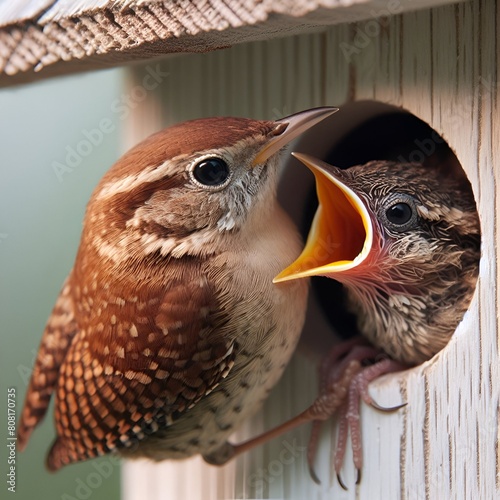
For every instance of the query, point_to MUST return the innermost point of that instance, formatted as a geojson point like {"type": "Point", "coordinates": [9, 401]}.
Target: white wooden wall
{"type": "Point", "coordinates": [441, 65]}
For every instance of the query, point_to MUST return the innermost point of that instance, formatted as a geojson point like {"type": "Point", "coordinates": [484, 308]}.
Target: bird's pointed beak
{"type": "Point", "coordinates": [341, 235]}
{"type": "Point", "coordinates": [289, 128]}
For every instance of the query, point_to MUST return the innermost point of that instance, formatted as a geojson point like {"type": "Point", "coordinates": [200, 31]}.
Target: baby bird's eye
{"type": "Point", "coordinates": [399, 212]}
{"type": "Point", "coordinates": [212, 172]}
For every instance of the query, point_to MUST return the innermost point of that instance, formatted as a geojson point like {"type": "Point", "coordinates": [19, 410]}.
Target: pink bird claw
{"type": "Point", "coordinates": [333, 394]}
{"type": "Point", "coordinates": [360, 383]}
{"type": "Point", "coordinates": [386, 409]}
{"type": "Point", "coordinates": [341, 482]}
{"type": "Point", "coordinates": [350, 422]}
{"type": "Point", "coordinates": [313, 474]}
{"type": "Point", "coordinates": [358, 476]}
{"type": "Point", "coordinates": [312, 449]}
{"type": "Point", "coordinates": [343, 383]}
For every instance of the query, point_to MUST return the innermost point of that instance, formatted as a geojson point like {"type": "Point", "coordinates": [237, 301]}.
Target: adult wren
{"type": "Point", "coordinates": [169, 331]}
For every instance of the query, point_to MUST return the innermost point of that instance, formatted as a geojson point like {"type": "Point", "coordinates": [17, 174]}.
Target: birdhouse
{"type": "Point", "coordinates": [414, 81]}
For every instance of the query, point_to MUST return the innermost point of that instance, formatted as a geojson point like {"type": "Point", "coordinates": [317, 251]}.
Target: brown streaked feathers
{"type": "Point", "coordinates": [169, 319]}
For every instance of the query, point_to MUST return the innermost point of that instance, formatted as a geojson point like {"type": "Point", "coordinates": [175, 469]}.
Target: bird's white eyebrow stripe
{"type": "Point", "coordinates": [131, 182]}
{"type": "Point", "coordinates": [156, 172]}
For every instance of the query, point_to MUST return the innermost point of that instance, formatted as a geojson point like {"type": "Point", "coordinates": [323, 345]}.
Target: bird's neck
{"type": "Point", "coordinates": [380, 274]}
{"type": "Point", "coordinates": [408, 309]}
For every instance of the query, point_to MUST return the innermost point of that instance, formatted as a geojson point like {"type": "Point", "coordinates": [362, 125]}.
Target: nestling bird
{"type": "Point", "coordinates": [168, 331]}
{"type": "Point", "coordinates": [405, 243]}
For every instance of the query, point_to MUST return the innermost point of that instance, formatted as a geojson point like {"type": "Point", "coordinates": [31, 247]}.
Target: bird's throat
{"type": "Point", "coordinates": [341, 235]}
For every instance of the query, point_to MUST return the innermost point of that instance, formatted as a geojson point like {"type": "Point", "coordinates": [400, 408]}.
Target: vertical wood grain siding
{"type": "Point", "coordinates": [441, 65]}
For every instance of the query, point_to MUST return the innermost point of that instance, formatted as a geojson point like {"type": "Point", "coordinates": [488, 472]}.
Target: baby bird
{"type": "Point", "coordinates": [405, 243]}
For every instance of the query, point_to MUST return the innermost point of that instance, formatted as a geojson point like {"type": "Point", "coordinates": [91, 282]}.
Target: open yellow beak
{"type": "Point", "coordinates": [341, 234]}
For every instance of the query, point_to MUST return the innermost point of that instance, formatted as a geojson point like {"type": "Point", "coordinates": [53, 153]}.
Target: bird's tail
{"type": "Point", "coordinates": [56, 340]}
{"type": "Point", "coordinates": [59, 455]}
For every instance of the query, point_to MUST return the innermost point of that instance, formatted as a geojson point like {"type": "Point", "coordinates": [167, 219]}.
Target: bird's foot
{"type": "Point", "coordinates": [322, 408]}
{"type": "Point", "coordinates": [347, 386]}
{"type": "Point", "coordinates": [344, 380]}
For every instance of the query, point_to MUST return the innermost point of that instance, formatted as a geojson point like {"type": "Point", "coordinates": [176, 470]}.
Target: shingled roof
{"type": "Point", "coordinates": [40, 38]}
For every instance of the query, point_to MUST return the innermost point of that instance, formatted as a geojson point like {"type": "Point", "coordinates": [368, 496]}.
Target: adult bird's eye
{"type": "Point", "coordinates": [399, 214]}
{"type": "Point", "coordinates": [213, 172]}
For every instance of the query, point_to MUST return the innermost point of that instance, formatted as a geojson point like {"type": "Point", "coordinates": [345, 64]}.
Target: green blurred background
{"type": "Point", "coordinates": [41, 208]}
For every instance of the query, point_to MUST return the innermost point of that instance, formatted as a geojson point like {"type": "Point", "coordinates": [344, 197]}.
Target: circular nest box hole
{"type": "Point", "coordinates": [360, 132]}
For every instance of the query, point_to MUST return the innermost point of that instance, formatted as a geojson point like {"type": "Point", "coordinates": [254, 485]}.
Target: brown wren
{"type": "Point", "coordinates": [404, 240]}
{"type": "Point", "coordinates": [169, 331]}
